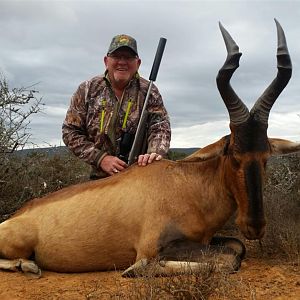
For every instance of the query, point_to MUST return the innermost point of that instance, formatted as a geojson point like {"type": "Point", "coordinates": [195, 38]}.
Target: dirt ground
{"type": "Point", "coordinates": [258, 278]}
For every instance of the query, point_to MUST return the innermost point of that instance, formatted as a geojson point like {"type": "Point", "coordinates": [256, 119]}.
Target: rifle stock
{"type": "Point", "coordinates": [140, 144]}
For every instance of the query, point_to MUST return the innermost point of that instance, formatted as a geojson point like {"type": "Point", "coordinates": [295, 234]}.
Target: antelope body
{"type": "Point", "coordinates": [163, 210]}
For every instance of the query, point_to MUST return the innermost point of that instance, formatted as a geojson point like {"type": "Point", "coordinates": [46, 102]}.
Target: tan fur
{"type": "Point", "coordinates": [209, 151]}
{"type": "Point", "coordinates": [280, 146]}
{"type": "Point", "coordinates": [114, 222]}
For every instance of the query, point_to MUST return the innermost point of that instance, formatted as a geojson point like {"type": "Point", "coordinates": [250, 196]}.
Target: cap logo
{"type": "Point", "coordinates": [123, 39]}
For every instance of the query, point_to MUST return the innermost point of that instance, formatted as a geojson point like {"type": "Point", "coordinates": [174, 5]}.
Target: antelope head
{"type": "Point", "coordinates": [249, 147]}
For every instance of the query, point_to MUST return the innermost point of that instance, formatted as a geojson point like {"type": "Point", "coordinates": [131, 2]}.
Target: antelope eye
{"type": "Point", "coordinates": [265, 164]}
{"type": "Point", "coordinates": [236, 162]}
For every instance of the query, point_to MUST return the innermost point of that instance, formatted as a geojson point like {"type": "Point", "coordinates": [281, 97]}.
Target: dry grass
{"type": "Point", "coordinates": [205, 285]}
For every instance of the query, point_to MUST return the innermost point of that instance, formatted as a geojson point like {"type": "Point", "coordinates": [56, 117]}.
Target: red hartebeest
{"type": "Point", "coordinates": [167, 210]}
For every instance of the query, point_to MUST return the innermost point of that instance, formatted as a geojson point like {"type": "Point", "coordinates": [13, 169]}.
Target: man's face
{"type": "Point", "coordinates": [121, 65]}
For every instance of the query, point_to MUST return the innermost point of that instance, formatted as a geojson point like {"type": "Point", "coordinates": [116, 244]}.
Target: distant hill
{"type": "Point", "coordinates": [49, 150]}
{"type": "Point", "coordinates": [187, 151]}
{"type": "Point", "coordinates": [63, 149]}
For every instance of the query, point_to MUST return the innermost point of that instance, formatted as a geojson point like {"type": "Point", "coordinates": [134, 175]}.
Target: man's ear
{"type": "Point", "coordinates": [139, 62]}
{"type": "Point", "coordinates": [105, 61]}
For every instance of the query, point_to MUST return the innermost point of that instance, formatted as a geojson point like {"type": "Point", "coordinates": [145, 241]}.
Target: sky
{"type": "Point", "coordinates": [59, 44]}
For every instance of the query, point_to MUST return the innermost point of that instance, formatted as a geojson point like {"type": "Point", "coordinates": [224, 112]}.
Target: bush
{"type": "Point", "coordinates": [282, 206]}
{"type": "Point", "coordinates": [16, 107]}
{"type": "Point", "coordinates": [175, 155]}
{"type": "Point", "coordinates": [35, 175]}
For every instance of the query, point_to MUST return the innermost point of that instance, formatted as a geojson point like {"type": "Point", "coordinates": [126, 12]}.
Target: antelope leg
{"type": "Point", "coordinates": [136, 268]}
{"type": "Point", "coordinates": [24, 265]}
{"type": "Point", "coordinates": [230, 242]}
{"type": "Point", "coordinates": [219, 256]}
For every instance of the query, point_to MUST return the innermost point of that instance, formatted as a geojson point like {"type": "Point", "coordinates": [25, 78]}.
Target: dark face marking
{"type": "Point", "coordinates": [254, 185]}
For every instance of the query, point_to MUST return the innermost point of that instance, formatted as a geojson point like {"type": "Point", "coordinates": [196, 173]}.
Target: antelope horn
{"type": "Point", "coordinates": [238, 111]}
{"type": "Point", "coordinates": [264, 103]}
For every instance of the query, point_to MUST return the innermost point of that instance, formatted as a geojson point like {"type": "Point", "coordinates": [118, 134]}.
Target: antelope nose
{"type": "Point", "coordinates": [255, 232]}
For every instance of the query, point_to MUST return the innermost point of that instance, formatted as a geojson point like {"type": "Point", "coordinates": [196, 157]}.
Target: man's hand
{"type": "Point", "coordinates": [112, 164]}
{"type": "Point", "coordinates": [146, 159]}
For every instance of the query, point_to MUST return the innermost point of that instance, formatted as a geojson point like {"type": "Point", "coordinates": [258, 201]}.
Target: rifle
{"type": "Point", "coordinates": [138, 142]}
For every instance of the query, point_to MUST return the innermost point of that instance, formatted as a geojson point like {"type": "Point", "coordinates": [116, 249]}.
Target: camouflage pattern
{"type": "Point", "coordinates": [81, 127]}
{"type": "Point", "coordinates": [122, 40]}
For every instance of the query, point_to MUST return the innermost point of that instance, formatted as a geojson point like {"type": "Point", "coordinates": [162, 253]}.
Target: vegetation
{"type": "Point", "coordinates": [205, 285]}
{"type": "Point", "coordinates": [176, 155]}
{"type": "Point", "coordinates": [35, 175]}
{"type": "Point", "coordinates": [17, 105]}
{"type": "Point", "coordinates": [282, 201]}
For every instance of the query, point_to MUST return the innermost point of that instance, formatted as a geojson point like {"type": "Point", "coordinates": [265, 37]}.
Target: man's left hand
{"type": "Point", "coordinates": [146, 159]}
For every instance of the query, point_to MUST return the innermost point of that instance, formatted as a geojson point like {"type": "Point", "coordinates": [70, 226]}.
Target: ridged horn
{"type": "Point", "coordinates": [238, 111]}
{"type": "Point", "coordinates": [264, 103]}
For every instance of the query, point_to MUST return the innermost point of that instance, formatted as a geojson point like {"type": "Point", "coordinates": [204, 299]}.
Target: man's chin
{"type": "Point", "coordinates": [122, 80]}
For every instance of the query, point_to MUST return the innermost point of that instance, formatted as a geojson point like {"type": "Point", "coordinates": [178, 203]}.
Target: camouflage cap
{"type": "Point", "coordinates": [122, 40]}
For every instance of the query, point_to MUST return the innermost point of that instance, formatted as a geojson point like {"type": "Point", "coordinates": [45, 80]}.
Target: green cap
{"type": "Point", "coordinates": [122, 40]}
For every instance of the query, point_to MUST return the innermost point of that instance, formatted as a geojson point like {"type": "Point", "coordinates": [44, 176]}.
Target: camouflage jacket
{"type": "Point", "coordinates": [95, 118]}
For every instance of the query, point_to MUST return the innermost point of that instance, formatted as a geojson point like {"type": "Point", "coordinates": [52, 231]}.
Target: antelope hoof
{"type": "Point", "coordinates": [136, 269]}
{"type": "Point", "coordinates": [30, 268]}
{"type": "Point", "coordinates": [162, 263]}
{"type": "Point", "coordinates": [230, 265]}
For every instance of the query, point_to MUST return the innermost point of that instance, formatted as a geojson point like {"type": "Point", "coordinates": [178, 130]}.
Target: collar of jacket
{"type": "Point", "coordinates": [135, 77]}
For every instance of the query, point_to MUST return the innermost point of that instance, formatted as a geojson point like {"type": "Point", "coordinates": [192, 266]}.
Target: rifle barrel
{"type": "Point", "coordinates": [157, 60]}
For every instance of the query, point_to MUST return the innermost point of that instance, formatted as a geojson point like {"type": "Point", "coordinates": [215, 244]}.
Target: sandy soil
{"type": "Point", "coordinates": [259, 278]}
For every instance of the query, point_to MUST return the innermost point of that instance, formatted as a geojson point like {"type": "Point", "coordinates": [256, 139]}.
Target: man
{"type": "Point", "coordinates": [105, 110]}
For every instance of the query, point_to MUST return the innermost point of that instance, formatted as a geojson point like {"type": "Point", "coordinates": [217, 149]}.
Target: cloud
{"type": "Point", "coordinates": [59, 44]}
{"type": "Point", "coordinates": [285, 125]}
{"type": "Point", "coordinates": [199, 135]}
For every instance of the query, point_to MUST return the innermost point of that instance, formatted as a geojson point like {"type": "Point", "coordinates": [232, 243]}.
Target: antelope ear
{"type": "Point", "coordinates": [280, 146]}
{"type": "Point", "coordinates": [209, 151]}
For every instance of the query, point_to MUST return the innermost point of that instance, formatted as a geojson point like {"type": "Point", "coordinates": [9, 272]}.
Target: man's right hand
{"type": "Point", "coordinates": [112, 164]}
